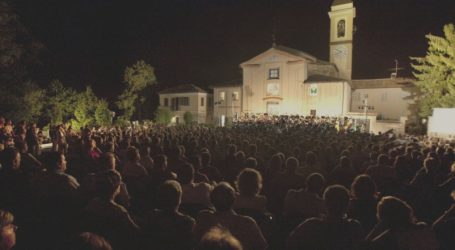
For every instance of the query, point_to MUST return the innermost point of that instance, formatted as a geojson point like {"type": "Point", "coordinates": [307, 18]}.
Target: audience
{"type": "Point", "coordinates": [278, 164]}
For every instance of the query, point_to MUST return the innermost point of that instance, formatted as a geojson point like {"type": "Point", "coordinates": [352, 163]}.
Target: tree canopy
{"type": "Point", "coordinates": [138, 78]}
{"type": "Point", "coordinates": [435, 72]}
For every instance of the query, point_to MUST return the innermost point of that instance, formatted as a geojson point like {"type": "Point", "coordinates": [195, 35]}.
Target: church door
{"type": "Point", "coordinates": [273, 108]}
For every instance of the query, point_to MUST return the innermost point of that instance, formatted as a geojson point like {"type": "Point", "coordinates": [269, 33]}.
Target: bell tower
{"type": "Point", "coordinates": [342, 16]}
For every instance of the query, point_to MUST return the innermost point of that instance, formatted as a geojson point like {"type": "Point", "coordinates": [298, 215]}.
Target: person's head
{"type": "Point", "coordinates": [11, 159]}
{"type": "Point", "coordinates": [108, 184]}
{"type": "Point", "coordinates": [185, 174]}
{"type": "Point", "coordinates": [240, 157]}
{"type": "Point", "coordinates": [363, 187]}
{"type": "Point", "coordinates": [315, 182]}
{"type": "Point", "coordinates": [92, 143]}
{"type": "Point", "coordinates": [336, 200]}
{"type": "Point", "coordinates": [251, 162]}
{"type": "Point", "coordinates": [291, 164]}
{"type": "Point", "coordinates": [310, 158]}
{"type": "Point", "coordinates": [7, 230]}
{"type": "Point", "coordinates": [218, 238]}
{"type": "Point", "coordinates": [383, 160]}
{"type": "Point", "coordinates": [206, 158]}
{"type": "Point", "coordinates": [249, 182]}
{"type": "Point", "coordinates": [345, 162]}
{"type": "Point", "coordinates": [160, 162]}
{"type": "Point", "coordinates": [231, 149]}
{"type": "Point", "coordinates": [169, 195]}
{"type": "Point", "coordinates": [132, 154]}
{"type": "Point", "coordinates": [54, 161]}
{"type": "Point", "coordinates": [394, 212]}
{"type": "Point", "coordinates": [431, 165]}
{"type": "Point", "coordinates": [222, 196]}
{"type": "Point", "coordinates": [107, 161]}
{"type": "Point", "coordinates": [88, 241]}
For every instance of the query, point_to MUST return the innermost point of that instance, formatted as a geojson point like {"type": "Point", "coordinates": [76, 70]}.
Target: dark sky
{"type": "Point", "coordinates": [204, 41]}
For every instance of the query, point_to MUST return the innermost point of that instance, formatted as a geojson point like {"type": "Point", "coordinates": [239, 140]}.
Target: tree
{"type": "Point", "coordinates": [163, 116]}
{"type": "Point", "coordinates": [84, 112]}
{"type": "Point", "coordinates": [18, 51]}
{"type": "Point", "coordinates": [103, 116]}
{"type": "Point", "coordinates": [138, 78]}
{"type": "Point", "coordinates": [435, 72]}
{"type": "Point", "coordinates": [60, 103]}
{"type": "Point", "coordinates": [22, 103]}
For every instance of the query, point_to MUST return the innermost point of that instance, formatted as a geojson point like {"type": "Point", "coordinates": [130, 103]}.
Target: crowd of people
{"type": "Point", "coordinates": [281, 183]}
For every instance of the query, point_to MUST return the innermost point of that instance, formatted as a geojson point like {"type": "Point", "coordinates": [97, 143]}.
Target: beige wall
{"type": "Point", "coordinates": [200, 113]}
{"type": "Point", "coordinates": [389, 103]}
{"type": "Point", "coordinates": [228, 107]}
{"type": "Point", "coordinates": [255, 82]}
{"type": "Point", "coordinates": [332, 99]}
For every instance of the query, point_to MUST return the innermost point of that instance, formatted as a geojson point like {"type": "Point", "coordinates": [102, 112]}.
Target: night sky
{"type": "Point", "coordinates": [204, 41]}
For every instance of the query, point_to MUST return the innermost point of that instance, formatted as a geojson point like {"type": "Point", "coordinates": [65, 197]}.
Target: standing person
{"type": "Point", "coordinates": [32, 140]}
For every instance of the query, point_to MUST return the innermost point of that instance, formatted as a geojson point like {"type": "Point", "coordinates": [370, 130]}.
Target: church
{"type": "Point", "coordinates": [287, 81]}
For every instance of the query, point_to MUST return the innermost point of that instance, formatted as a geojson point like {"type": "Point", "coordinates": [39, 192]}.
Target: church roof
{"type": "Point", "coordinates": [340, 2]}
{"type": "Point", "coordinates": [296, 52]}
{"type": "Point", "coordinates": [323, 78]}
{"type": "Point", "coordinates": [184, 88]}
{"type": "Point", "coordinates": [383, 83]}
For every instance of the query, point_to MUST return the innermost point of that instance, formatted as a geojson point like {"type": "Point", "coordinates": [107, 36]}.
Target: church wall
{"type": "Point", "coordinates": [388, 103]}
{"type": "Point", "coordinates": [327, 102]}
{"type": "Point", "coordinates": [288, 100]}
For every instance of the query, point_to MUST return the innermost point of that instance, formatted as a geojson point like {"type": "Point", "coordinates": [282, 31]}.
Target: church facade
{"type": "Point", "coordinates": [287, 81]}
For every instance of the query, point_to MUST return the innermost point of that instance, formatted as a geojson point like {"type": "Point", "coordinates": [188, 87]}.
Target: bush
{"type": "Point", "coordinates": [188, 118]}
{"type": "Point", "coordinates": [163, 116]}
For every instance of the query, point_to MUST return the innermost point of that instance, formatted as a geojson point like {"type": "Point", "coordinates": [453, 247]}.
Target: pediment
{"type": "Point", "coordinates": [275, 55]}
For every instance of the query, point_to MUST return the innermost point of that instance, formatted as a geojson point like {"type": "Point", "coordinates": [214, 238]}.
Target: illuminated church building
{"type": "Point", "coordinates": [288, 81]}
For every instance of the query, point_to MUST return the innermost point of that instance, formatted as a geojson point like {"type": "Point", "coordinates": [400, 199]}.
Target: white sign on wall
{"type": "Point", "coordinates": [313, 90]}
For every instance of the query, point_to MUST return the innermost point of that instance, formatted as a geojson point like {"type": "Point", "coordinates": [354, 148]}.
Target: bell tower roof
{"type": "Point", "coordinates": [340, 2]}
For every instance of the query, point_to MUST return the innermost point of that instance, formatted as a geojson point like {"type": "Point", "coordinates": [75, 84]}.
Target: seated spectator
{"type": "Point", "coordinates": [89, 183]}
{"type": "Point", "coordinates": [193, 193]}
{"type": "Point", "coordinates": [29, 163]}
{"type": "Point", "coordinates": [167, 228]}
{"type": "Point", "coordinates": [133, 168]}
{"type": "Point", "coordinates": [363, 203]}
{"type": "Point", "coordinates": [311, 166]}
{"type": "Point", "coordinates": [282, 183]}
{"type": "Point", "coordinates": [210, 171]}
{"type": "Point", "coordinates": [243, 228]}
{"type": "Point", "coordinates": [218, 238]}
{"type": "Point", "coordinates": [343, 174]}
{"type": "Point", "coordinates": [398, 229]}
{"type": "Point", "coordinates": [444, 226]}
{"type": "Point", "coordinates": [332, 232]}
{"type": "Point", "coordinates": [306, 202]}
{"type": "Point", "coordinates": [7, 230]}
{"type": "Point", "coordinates": [88, 241]}
{"type": "Point", "coordinates": [382, 173]}
{"type": "Point", "coordinates": [109, 219]}
{"type": "Point", "coordinates": [146, 159]}
{"type": "Point", "coordinates": [249, 185]}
